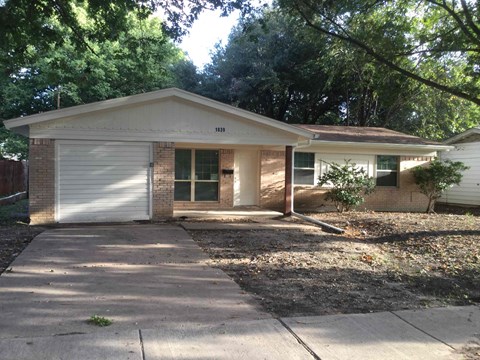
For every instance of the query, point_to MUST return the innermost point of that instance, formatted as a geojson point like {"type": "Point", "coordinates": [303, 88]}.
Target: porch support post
{"type": "Point", "coordinates": [288, 180]}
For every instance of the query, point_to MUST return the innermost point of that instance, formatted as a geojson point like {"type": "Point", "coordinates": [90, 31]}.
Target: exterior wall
{"type": "Point", "coordinates": [468, 192]}
{"type": "Point", "coordinates": [405, 197]}
{"type": "Point", "coordinates": [163, 179]}
{"type": "Point", "coordinates": [225, 200]}
{"type": "Point", "coordinates": [272, 179]}
{"type": "Point", "coordinates": [42, 181]}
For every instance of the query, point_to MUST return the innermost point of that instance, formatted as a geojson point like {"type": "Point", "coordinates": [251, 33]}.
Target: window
{"type": "Point", "coordinates": [304, 169]}
{"type": "Point", "coordinates": [196, 175]}
{"type": "Point", "coordinates": [387, 170]}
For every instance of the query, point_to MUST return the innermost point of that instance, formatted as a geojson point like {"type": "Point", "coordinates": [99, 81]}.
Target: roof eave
{"type": "Point", "coordinates": [463, 135]}
{"type": "Point", "coordinates": [388, 145]}
{"type": "Point", "coordinates": [149, 97]}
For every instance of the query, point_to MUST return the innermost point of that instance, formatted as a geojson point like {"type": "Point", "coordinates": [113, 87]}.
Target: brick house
{"type": "Point", "coordinates": [143, 157]}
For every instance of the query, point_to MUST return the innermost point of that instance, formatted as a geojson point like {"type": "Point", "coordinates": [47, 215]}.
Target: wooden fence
{"type": "Point", "coordinates": [13, 177]}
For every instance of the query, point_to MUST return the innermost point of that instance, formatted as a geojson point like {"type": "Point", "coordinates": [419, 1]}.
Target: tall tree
{"type": "Point", "coordinates": [405, 35]}
{"type": "Point", "coordinates": [139, 60]}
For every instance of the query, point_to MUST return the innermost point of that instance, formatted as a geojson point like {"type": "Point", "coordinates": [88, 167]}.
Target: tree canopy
{"type": "Point", "coordinates": [139, 59]}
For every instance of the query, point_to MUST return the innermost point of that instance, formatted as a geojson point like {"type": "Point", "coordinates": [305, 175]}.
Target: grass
{"type": "Point", "coordinates": [99, 321]}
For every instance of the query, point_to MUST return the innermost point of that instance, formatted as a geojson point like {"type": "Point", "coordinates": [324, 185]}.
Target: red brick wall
{"type": "Point", "coordinates": [272, 179]}
{"type": "Point", "coordinates": [42, 181]}
{"type": "Point", "coordinates": [225, 200]}
{"type": "Point", "coordinates": [163, 179]}
{"type": "Point", "coordinates": [405, 197]}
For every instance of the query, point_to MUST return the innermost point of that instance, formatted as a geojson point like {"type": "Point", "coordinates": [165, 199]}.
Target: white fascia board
{"type": "Point", "coordinates": [150, 97]}
{"type": "Point", "coordinates": [384, 145]}
{"type": "Point", "coordinates": [152, 137]}
{"type": "Point", "coordinates": [454, 139]}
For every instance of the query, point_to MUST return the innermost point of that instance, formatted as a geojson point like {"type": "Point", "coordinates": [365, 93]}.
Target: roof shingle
{"type": "Point", "coordinates": [363, 135]}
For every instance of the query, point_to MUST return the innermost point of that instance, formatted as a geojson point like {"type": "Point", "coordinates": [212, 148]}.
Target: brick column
{"type": "Point", "coordinates": [163, 179]}
{"type": "Point", "coordinates": [42, 181]}
{"type": "Point", "coordinates": [288, 180]}
{"type": "Point", "coordinates": [226, 181]}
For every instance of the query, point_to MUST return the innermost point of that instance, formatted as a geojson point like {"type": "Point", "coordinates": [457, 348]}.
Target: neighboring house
{"type": "Point", "coordinates": [467, 150]}
{"type": "Point", "coordinates": [142, 157]}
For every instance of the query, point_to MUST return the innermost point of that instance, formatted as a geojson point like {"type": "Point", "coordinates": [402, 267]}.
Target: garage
{"type": "Point", "coordinates": [101, 181]}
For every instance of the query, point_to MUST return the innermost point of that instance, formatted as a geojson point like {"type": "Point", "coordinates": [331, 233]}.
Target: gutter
{"type": "Point", "coordinates": [318, 222]}
{"type": "Point", "coordinates": [292, 210]}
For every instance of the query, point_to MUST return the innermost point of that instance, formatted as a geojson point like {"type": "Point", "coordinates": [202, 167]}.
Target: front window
{"type": "Point", "coordinates": [304, 169]}
{"type": "Point", "coordinates": [196, 175]}
{"type": "Point", "coordinates": [387, 170]}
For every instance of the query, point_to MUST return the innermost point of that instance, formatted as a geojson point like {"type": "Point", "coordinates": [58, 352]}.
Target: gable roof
{"type": "Point", "coordinates": [464, 135]}
{"type": "Point", "coordinates": [20, 125]}
{"type": "Point", "coordinates": [368, 136]}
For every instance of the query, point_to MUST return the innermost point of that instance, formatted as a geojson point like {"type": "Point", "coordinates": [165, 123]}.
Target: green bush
{"type": "Point", "coordinates": [437, 177]}
{"type": "Point", "coordinates": [349, 185]}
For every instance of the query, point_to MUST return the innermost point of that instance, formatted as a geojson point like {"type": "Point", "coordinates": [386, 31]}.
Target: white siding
{"type": "Point", "coordinates": [102, 181]}
{"type": "Point", "coordinates": [468, 193]}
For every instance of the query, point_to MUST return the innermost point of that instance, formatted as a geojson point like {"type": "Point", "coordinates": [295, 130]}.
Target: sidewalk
{"type": "Point", "coordinates": [424, 334]}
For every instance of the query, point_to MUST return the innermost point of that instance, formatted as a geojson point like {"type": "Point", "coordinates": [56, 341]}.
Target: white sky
{"type": "Point", "coordinates": [207, 30]}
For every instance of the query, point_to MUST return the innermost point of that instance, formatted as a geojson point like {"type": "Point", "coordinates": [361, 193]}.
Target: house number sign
{"type": "Point", "coordinates": [220, 129]}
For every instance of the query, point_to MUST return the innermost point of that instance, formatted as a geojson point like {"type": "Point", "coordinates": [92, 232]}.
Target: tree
{"type": "Point", "coordinates": [349, 185]}
{"type": "Point", "coordinates": [437, 177]}
{"type": "Point", "coordinates": [406, 36]}
{"type": "Point", "coordinates": [141, 59]}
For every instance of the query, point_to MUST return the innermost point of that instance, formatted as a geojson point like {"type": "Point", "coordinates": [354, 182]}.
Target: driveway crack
{"type": "Point", "coordinates": [299, 340]}
{"type": "Point", "coordinates": [142, 348]}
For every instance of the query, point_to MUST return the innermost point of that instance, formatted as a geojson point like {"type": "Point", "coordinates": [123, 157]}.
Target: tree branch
{"type": "Point", "coordinates": [382, 59]}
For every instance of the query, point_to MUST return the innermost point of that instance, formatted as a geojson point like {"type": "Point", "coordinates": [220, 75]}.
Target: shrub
{"type": "Point", "coordinates": [437, 177]}
{"type": "Point", "coordinates": [349, 185]}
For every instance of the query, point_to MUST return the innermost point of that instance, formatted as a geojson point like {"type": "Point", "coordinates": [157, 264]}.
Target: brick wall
{"type": "Point", "coordinates": [42, 181]}
{"type": "Point", "coordinates": [405, 197]}
{"type": "Point", "coordinates": [225, 183]}
{"type": "Point", "coordinates": [272, 179]}
{"type": "Point", "coordinates": [163, 179]}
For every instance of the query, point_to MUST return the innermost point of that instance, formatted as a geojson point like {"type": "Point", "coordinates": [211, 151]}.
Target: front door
{"type": "Point", "coordinates": [246, 177]}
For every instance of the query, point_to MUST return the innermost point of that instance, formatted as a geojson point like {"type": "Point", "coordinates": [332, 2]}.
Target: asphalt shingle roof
{"type": "Point", "coordinates": [364, 135]}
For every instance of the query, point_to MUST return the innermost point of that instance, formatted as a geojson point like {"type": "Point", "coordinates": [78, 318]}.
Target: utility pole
{"type": "Point", "coordinates": [59, 88]}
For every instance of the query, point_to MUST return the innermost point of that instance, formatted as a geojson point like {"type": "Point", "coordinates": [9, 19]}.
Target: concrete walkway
{"type": "Point", "coordinates": [167, 304]}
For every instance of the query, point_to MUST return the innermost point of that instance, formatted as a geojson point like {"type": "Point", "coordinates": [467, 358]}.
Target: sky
{"type": "Point", "coordinates": [207, 30]}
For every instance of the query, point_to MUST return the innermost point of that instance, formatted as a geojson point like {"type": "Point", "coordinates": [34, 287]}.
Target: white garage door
{"type": "Point", "coordinates": [103, 181]}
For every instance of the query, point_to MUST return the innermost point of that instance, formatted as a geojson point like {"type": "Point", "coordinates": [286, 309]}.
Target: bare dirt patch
{"type": "Point", "coordinates": [384, 262]}
{"type": "Point", "coordinates": [15, 233]}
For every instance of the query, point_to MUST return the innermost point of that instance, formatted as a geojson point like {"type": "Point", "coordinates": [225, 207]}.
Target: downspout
{"type": "Point", "coordinates": [292, 209]}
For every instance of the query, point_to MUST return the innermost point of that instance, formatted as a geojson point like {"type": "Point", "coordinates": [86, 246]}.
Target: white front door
{"type": "Point", "coordinates": [246, 182]}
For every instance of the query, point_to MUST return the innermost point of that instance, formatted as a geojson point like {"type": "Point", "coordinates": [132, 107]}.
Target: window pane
{"type": "Point", "coordinates": [385, 162]}
{"type": "Point", "coordinates": [386, 178]}
{"type": "Point", "coordinates": [206, 165]}
{"type": "Point", "coordinates": [206, 191]}
{"type": "Point", "coordinates": [182, 191]}
{"type": "Point", "coordinates": [304, 160]}
{"type": "Point", "coordinates": [303, 177]}
{"type": "Point", "coordinates": [183, 164]}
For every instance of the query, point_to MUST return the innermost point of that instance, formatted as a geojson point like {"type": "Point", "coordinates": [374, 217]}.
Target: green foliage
{"type": "Point", "coordinates": [140, 59]}
{"type": "Point", "coordinates": [349, 185]}
{"type": "Point", "coordinates": [99, 321]}
{"type": "Point", "coordinates": [437, 177]}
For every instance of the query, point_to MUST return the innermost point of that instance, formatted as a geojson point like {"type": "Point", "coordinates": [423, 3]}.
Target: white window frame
{"type": "Point", "coordinates": [397, 171]}
{"type": "Point", "coordinates": [315, 169]}
{"type": "Point", "coordinates": [193, 179]}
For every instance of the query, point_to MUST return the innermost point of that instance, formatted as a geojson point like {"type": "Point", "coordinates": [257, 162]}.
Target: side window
{"type": "Point", "coordinates": [304, 169]}
{"type": "Point", "coordinates": [387, 170]}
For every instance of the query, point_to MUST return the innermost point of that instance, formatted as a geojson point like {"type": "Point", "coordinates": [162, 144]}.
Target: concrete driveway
{"type": "Point", "coordinates": [140, 276]}
{"type": "Point", "coordinates": [165, 303]}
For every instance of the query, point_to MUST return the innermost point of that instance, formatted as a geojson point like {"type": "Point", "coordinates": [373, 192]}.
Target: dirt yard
{"type": "Point", "coordinates": [15, 234]}
{"type": "Point", "coordinates": [384, 261]}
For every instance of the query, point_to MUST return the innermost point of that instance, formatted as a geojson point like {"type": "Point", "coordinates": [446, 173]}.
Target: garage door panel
{"type": "Point", "coordinates": [103, 182]}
